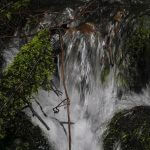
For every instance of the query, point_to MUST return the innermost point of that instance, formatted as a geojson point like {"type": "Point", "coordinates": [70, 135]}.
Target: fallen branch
{"type": "Point", "coordinates": [40, 119]}
{"type": "Point", "coordinates": [62, 124]}
{"type": "Point", "coordinates": [41, 108]}
{"type": "Point", "coordinates": [36, 114]}
{"type": "Point", "coordinates": [54, 89]}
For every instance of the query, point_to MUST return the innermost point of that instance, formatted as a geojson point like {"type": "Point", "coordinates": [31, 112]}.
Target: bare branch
{"type": "Point", "coordinates": [36, 114]}
{"type": "Point", "coordinates": [41, 108]}
{"type": "Point", "coordinates": [56, 109]}
{"type": "Point", "coordinates": [65, 88]}
{"type": "Point", "coordinates": [55, 90]}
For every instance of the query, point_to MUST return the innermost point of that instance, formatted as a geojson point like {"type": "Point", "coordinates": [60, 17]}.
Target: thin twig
{"type": "Point", "coordinates": [65, 88]}
{"type": "Point", "coordinates": [55, 90]}
{"type": "Point", "coordinates": [40, 107]}
{"type": "Point", "coordinates": [12, 36]}
{"type": "Point", "coordinates": [56, 109]}
{"type": "Point", "coordinates": [62, 123]}
{"type": "Point", "coordinates": [40, 119]}
{"type": "Point", "coordinates": [36, 114]}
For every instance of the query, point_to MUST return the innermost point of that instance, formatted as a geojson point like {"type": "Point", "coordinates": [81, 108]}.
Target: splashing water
{"type": "Point", "coordinates": [92, 103]}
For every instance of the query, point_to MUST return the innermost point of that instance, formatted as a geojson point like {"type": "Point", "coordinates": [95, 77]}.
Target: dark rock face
{"type": "Point", "coordinates": [129, 130]}
{"type": "Point", "coordinates": [138, 53]}
{"type": "Point", "coordinates": [22, 134]}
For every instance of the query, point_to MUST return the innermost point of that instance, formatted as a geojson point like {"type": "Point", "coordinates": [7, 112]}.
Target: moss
{"type": "Point", "coordinates": [129, 128]}
{"type": "Point", "coordinates": [32, 68]}
{"type": "Point", "coordinates": [104, 73]}
{"type": "Point", "coordinates": [14, 6]}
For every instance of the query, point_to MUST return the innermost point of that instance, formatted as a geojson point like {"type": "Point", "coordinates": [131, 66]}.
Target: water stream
{"type": "Point", "coordinates": [92, 103]}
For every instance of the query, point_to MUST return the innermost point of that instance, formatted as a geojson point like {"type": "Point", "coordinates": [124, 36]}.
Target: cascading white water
{"type": "Point", "coordinates": [11, 50]}
{"type": "Point", "coordinates": [92, 104]}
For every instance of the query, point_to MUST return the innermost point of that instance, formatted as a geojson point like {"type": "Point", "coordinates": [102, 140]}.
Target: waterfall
{"type": "Point", "coordinates": [93, 103]}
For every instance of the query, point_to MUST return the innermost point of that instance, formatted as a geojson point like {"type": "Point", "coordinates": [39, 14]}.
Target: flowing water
{"type": "Point", "coordinates": [92, 103]}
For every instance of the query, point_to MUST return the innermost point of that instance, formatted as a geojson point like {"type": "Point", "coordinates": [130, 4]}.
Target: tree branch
{"type": "Point", "coordinates": [65, 88]}
{"type": "Point", "coordinates": [36, 114]}
{"type": "Point", "coordinates": [40, 107]}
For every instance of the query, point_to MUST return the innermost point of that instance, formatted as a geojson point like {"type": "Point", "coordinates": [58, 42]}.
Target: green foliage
{"type": "Point", "coordinates": [31, 69]}
{"type": "Point", "coordinates": [130, 129]}
{"type": "Point", "coordinates": [20, 4]}
{"type": "Point", "coordinates": [13, 17]}
{"type": "Point", "coordinates": [14, 7]}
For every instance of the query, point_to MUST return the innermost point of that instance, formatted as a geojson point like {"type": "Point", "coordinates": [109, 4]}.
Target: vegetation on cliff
{"type": "Point", "coordinates": [31, 69]}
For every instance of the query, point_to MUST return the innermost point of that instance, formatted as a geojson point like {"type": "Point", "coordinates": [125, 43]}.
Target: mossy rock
{"type": "Point", "coordinates": [21, 134]}
{"type": "Point", "coordinates": [129, 129]}
{"type": "Point", "coordinates": [31, 70]}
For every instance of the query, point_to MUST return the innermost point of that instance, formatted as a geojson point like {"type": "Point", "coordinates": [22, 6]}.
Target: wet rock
{"type": "Point", "coordinates": [22, 134]}
{"type": "Point", "coordinates": [129, 129]}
